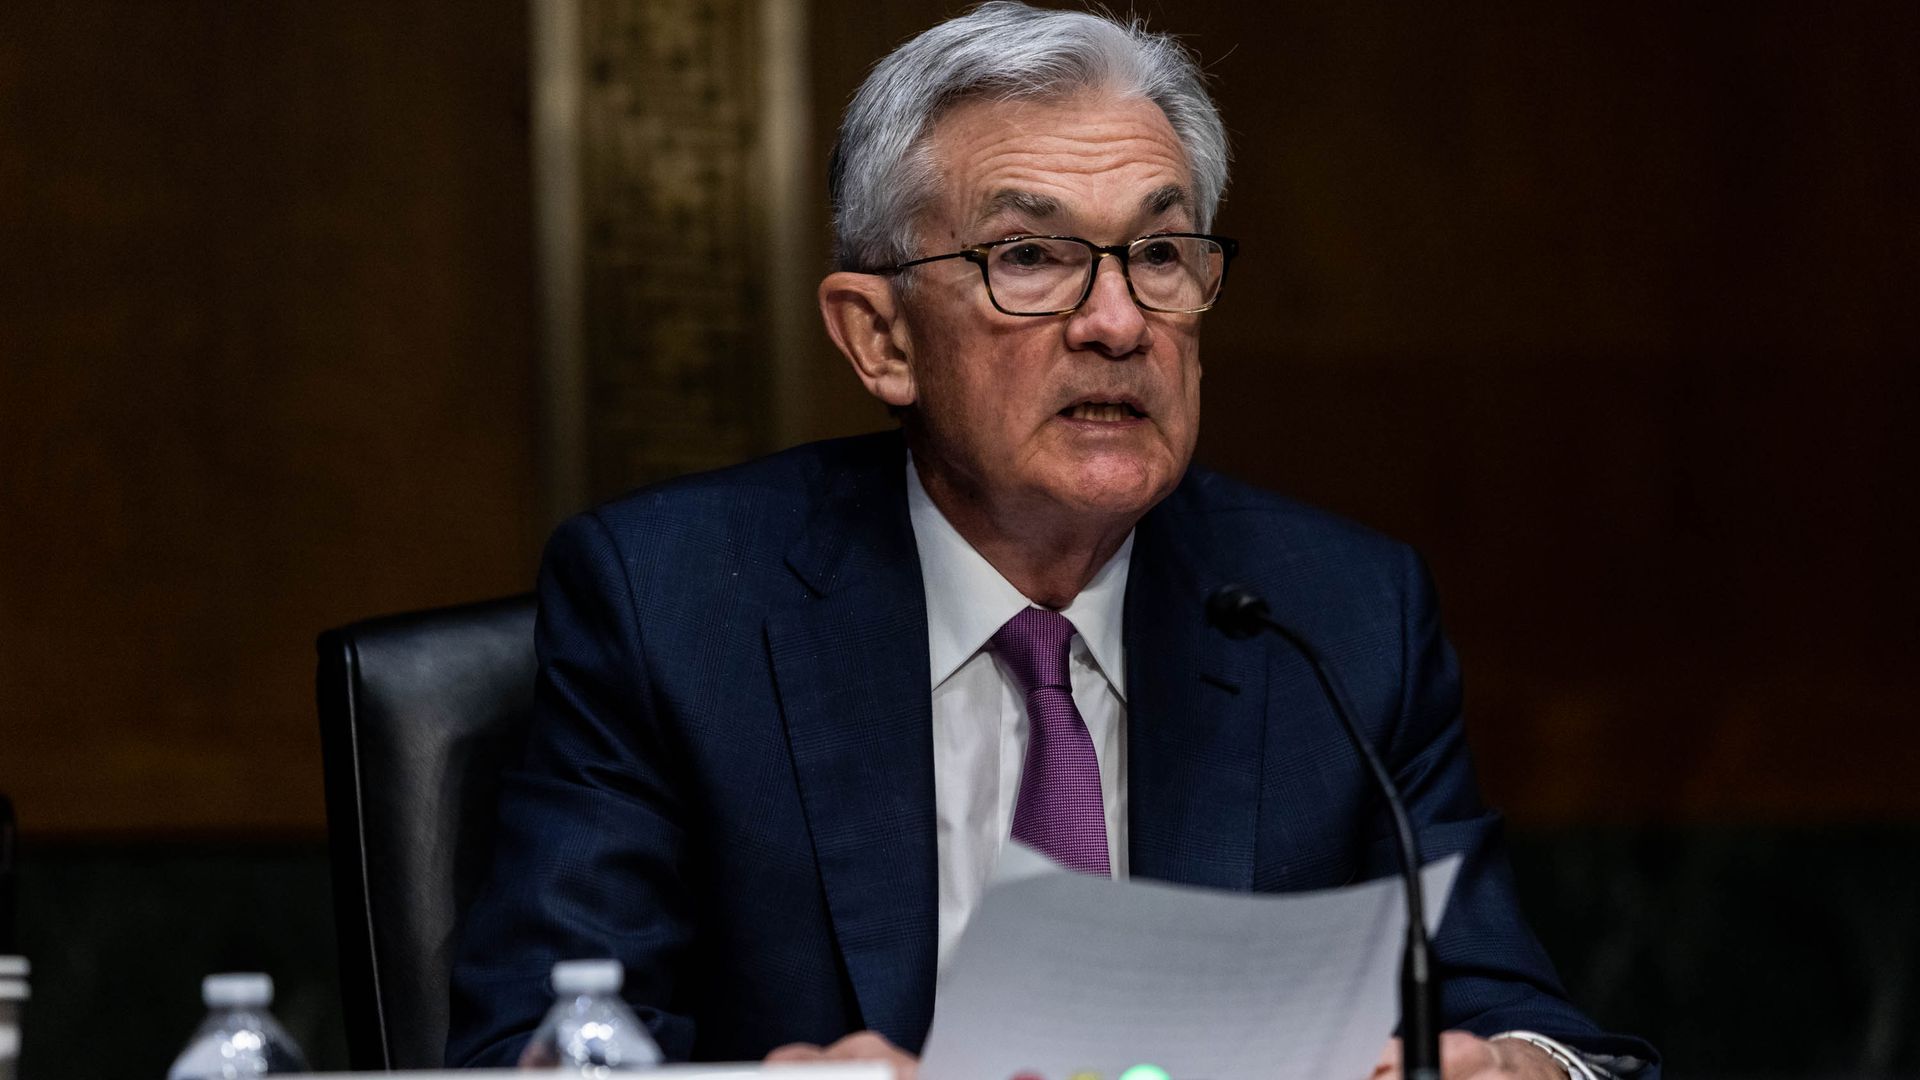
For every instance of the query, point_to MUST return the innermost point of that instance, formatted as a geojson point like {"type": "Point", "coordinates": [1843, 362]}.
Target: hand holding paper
{"type": "Point", "coordinates": [1062, 972]}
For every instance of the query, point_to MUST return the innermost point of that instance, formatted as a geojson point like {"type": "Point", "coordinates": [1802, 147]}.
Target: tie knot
{"type": "Point", "coordinates": [1034, 645]}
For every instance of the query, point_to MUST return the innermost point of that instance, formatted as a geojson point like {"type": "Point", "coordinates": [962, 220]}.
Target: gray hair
{"type": "Point", "coordinates": [881, 175]}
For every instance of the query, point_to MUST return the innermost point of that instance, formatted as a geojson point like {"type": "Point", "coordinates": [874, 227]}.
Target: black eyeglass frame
{"type": "Point", "coordinates": [977, 255]}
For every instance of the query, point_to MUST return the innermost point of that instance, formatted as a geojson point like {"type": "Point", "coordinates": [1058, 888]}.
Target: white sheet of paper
{"type": "Point", "coordinates": [1060, 972]}
{"type": "Point", "coordinates": [747, 1071]}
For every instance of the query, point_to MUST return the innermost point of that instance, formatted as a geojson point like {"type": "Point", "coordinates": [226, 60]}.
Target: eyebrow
{"type": "Point", "coordinates": [1040, 207]}
{"type": "Point", "coordinates": [1162, 199]}
{"type": "Point", "coordinates": [1025, 203]}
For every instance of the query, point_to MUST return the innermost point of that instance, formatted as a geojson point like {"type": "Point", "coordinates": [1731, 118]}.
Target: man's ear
{"type": "Point", "coordinates": [864, 319]}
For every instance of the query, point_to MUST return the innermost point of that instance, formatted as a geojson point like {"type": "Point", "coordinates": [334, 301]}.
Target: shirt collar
{"type": "Point", "coordinates": [968, 600]}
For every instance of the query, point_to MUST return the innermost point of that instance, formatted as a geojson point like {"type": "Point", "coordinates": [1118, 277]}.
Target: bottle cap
{"type": "Point", "coordinates": [237, 990]}
{"type": "Point", "coordinates": [588, 977]}
{"type": "Point", "coordinates": [14, 967]}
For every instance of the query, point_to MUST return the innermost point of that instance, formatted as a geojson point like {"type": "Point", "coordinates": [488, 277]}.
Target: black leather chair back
{"type": "Point", "coordinates": [419, 714]}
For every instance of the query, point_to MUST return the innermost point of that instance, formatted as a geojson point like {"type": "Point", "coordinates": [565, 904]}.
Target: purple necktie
{"type": "Point", "coordinates": [1059, 810]}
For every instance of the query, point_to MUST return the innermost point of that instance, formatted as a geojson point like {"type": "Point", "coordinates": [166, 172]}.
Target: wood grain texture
{"type": "Point", "coordinates": [267, 368]}
{"type": "Point", "coordinates": [1607, 308]}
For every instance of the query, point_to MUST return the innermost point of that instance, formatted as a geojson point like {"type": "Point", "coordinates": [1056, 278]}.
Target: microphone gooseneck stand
{"type": "Point", "coordinates": [1239, 612]}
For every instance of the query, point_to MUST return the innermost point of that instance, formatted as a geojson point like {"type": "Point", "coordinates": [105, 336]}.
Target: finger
{"type": "Point", "coordinates": [872, 1046]}
{"type": "Point", "coordinates": [1464, 1055]}
{"type": "Point", "coordinates": [1388, 1067]}
{"type": "Point", "coordinates": [793, 1052]}
{"type": "Point", "coordinates": [863, 1046]}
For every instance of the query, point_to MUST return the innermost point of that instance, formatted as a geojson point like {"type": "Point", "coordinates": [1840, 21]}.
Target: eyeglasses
{"type": "Point", "coordinates": [1173, 273]}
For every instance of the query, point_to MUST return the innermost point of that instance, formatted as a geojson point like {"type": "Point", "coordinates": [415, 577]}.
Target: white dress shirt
{"type": "Point", "coordinates": [980, 713]}
{"type": "Point", "coordinates": [980, 716]}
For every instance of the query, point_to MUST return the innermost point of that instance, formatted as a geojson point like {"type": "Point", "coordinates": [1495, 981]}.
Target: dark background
{"type": "Point", "coordinates": [1608, 308]}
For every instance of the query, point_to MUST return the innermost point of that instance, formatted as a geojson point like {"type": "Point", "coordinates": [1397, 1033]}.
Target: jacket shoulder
{"type": "Point", "coordinates": [791, 478]}
{"type": "Point", "coordinates": [1239, 520]}
{"type": "Point", "coordinates": [1329, 575]}
{"type": "Point", "coordinates": [731, 519]}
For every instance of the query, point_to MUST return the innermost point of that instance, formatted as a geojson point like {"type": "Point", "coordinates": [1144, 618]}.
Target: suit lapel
{"type": "Point", "coordinates": [850, 661]}
{"type": "Point", "coordinates": [1196, 717]}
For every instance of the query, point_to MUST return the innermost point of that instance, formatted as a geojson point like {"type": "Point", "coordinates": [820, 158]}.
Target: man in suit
{"type": "Point", "coordinates": [789, 713]}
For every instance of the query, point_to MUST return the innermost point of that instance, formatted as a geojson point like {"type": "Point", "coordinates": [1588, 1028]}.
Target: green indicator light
{"type": "Point", "coordinates": [1145, 1072]}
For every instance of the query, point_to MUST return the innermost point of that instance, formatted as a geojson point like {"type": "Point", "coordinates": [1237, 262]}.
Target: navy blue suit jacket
{"type": "Point", "coordinates": [729, 784]}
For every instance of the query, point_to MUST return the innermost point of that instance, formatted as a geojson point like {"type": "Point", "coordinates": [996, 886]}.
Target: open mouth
{"type": "Point", "coordinates": [1106, 412]}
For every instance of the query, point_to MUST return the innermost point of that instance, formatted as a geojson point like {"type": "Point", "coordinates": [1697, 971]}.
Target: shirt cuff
{"type": "Point", "coordinates": [1566, 1057]}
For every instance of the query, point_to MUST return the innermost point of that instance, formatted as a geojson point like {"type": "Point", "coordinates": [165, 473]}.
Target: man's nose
{"type": "Point", "coordinates": [1109, 323]}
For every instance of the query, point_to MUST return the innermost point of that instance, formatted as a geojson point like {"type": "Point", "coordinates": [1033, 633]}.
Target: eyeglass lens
{"type": "Point", "coordinates": [1035, 275]}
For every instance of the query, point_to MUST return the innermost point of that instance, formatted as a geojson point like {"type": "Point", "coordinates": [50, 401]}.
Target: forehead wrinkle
{"type": "Point", "coordinates": [1052, 152]}
{"type": "Point", "coordinates": [1080, 153]}
{"type": "Point", "coordinates": [1022, 181]}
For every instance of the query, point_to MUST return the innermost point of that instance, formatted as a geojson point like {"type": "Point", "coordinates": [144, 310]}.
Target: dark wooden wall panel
{"type": "Point", "coordinates": [1595, 304]}
{"type": "Point", "coordinates": [266, 365]}
{"type": "Point", "coordinates": [1605, 307]}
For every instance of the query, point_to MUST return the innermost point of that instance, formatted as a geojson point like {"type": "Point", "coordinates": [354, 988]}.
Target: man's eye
{"type": "Point", "coordinates": [1025, 256]}
{"type": "Point", "coordinates": [1160, 253]}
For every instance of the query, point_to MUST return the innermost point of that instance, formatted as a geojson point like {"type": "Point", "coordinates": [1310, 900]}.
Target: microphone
{"type": "Point", "coordinates": [1241, 613]}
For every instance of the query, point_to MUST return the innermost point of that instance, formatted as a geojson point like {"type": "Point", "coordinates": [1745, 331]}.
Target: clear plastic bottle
{"type": "Point", "coordinates": [13, 995]}
{"type": "Point", "coordinates": [239, 1038]}
{"type": "Point", "coordinates": [590, 1026]}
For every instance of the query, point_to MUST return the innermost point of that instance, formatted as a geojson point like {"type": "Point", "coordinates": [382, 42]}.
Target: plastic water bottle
{"type": "Point", "coordinates": [239, 1038]}
{"type": "Point", "coordinates": [13, 995]}
{"type": "Point", "coordinates": [590, 1026]}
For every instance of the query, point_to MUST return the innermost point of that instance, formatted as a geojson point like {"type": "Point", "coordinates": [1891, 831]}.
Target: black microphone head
{"type": "Point", "coordinates": [1236, 611]}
